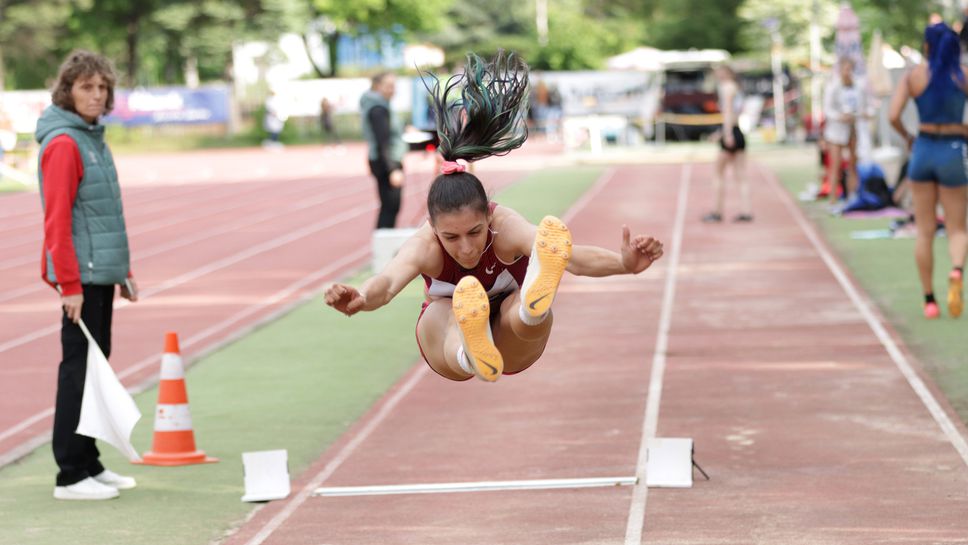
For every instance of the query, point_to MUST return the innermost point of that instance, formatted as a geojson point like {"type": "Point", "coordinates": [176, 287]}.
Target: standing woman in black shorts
{"type": "Point", "coordinates": [733, 148]}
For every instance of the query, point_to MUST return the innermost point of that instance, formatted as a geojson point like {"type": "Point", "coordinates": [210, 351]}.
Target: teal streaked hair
{"type": "Point", "coordinates": [490, 117]}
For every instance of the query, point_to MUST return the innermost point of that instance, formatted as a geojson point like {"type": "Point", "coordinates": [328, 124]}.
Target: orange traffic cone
{"type": "Point", "coordinates": [174, 442]}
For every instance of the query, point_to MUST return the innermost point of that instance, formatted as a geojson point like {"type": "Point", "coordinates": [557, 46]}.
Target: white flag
{"type": "Point", "coordinates": [108, 412]}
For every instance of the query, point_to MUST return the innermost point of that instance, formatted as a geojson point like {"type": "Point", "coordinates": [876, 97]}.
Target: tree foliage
{"type": "Point", "coordinates": [581, 33]}
{"type": "Point", "coordinates": [901, 22]}
{"type": "Point", "coordinates": [32, 34]}
{"type": "Point", "coordinates": [405, 15]}
{"type": "Point", "coordinates": [157, 41]}
{"type": "Point", "coordinates": [685, 24]}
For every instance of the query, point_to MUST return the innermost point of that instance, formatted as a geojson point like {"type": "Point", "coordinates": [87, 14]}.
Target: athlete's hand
{"type": "Point", "coordinates": [72, 306]}
{"type": "Point", "coordinates": [640, 252]}
{"type": "Point", "coordinates": [345, 299]}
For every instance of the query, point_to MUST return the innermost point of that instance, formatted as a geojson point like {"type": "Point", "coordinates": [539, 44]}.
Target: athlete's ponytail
{"type": "Point", "coordinates": [480, 113]}
{"type": "Point", "coordinates": [490, 116]}
{"type": "Point", "coordinates": [944, 61]}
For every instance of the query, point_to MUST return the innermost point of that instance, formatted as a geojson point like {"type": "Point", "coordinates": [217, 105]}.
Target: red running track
{"type": "Point", "coordinates": [221, 241]}
{"type": "Point", "coordinates": [741, 338]}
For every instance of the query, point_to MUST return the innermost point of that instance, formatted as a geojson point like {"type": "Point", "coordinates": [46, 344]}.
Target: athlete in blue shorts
{"type": "Point", "coordinates": [938, 158]}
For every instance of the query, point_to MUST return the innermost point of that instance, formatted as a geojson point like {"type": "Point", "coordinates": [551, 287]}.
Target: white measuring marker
{"type": "Point", "coordinates": [541, 484]}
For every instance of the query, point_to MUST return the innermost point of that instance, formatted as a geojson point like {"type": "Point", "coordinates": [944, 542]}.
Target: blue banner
{"type": "Point", "coordinates": [170, 106]}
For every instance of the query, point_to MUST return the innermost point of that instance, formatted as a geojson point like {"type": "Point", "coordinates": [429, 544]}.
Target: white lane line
{"type": "Point", "coordinates": [252, 219]}
{"type": "Point", "coordinates": [282, 516]}
{"type": "Point", "coordinates": [318, 275]}
{"type": "Point", "coordinates": [37, 219]}
{"type": "Point", "coordinates": [330, 270]}
{"type": "Point", "coordinates": [211, 267]}
{"type": "Point", "coordinates": [587, 197]}
{"type": "Point", "coordinates": [281, 295]}
{"type": "Point", "coordinates": [481, 486]}
{"type": "Point", "coordinates": [875, 323]}
{"type": "Point", "coordinates": [422, 370]}
{"type": "Point", "coordinates": [24, 424]}
{"type": "Point", "coordinates": [650, 422]}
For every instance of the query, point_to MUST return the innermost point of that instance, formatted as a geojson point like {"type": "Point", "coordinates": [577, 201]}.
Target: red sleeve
{"type": "Point", "coordinates": [62, 169]}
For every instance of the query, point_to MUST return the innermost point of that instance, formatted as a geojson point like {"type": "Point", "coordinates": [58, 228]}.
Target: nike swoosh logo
{"type": "Point", "coordinates": [489, 270]}
{"type": "Point", "coordinates": [535, 302]}
{"type": "Point", "coordinates": [489, 366]}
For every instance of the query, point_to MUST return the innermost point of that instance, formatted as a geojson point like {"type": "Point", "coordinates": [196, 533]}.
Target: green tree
{"type": "Point", "coordinates": [901, 23]}
{"type": "Point", "coordinates": [581, 33]}
{"type": "Point", "coordinates": [401, 17]}
{"type": "Point", "coordinates": [119, 26]}
{"type": "Point", "coordinates": [582, 36]}
{"type": "Point", "coordinates": [699, 24]}
{"type": "Point", "coordinates": [793, 18]}
{"type": "Point", "coordinates": [484, 28]}
{"type": "Point", "coordinates": [202, 34]}
{"type": "Point", "coordinates": [33, 35]}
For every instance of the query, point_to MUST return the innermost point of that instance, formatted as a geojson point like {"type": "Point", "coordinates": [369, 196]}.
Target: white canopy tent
{"type": "Point", "coordinates": [650, 59]}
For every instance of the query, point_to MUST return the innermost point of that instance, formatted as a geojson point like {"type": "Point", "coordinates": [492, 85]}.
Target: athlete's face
{"type": "Point", "coordinates": [463, 234]}
{"type": "Point", "coordinates": [90, 97]}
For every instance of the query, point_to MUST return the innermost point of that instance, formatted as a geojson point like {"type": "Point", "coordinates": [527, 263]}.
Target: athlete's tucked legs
{"type": "Point", "coordinates": [440, 340]}
{"type": "Point", "coordinates": [521, 344]}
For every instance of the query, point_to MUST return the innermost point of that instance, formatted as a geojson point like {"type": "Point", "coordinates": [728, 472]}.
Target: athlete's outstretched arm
{"type": "Point", "coordinates": [380, 289]}
{"type": "Point", "coordinates": [637, 254]}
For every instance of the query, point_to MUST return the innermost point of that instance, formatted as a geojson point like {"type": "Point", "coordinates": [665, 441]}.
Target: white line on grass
{"type": "Point", "coordinates": [876, 325]}
{"type": "Point", "coordinates": [592, 192]}
{"type": "Point", "coordinates": [282, 516]}
{"type": "Point", "coordinates": [636, 520]}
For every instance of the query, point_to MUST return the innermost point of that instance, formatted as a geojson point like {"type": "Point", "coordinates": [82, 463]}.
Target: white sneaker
{"type": "Point", "coordinates": [112, 479]}
{"type": "Point", "coordinates": [88, 489]}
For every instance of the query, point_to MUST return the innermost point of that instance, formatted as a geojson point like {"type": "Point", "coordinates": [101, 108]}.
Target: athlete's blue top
{"type": "Point", "coordinates": [949, 110]}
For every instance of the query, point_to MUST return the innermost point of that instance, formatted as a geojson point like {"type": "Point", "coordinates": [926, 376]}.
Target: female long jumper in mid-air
{"type": "Point", "coordinates": [490, 275]}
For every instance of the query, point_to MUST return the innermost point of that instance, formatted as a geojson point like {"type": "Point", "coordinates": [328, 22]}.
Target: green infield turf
{"type": "Point", "coordinates": [10, 186]}
{"type": "Point", "coordinates": [295, 384]}
{"type": "Point", "coordinates": [886, 270]}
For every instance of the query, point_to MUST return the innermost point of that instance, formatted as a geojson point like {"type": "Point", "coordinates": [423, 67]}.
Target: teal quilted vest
{"type": "Point", "coordinates": [97, 219]}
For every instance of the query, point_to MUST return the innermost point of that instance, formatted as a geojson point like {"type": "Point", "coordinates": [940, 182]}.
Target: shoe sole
{"type": "Point", "coordinates": [67, 495]}
{"type": "Point", "coordinates": [119, 485]}
{"type": "Point", "coordinates": [473, 313]}
{"type": "Point", "coordinates": [551, 252]}
{"type": "Point", "coordinates": [955, 303]}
